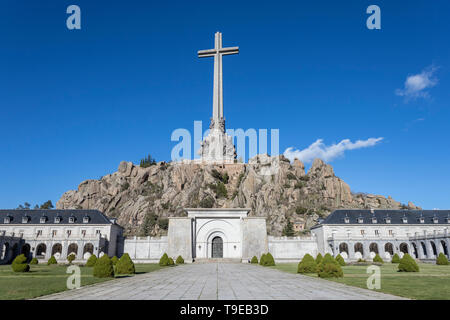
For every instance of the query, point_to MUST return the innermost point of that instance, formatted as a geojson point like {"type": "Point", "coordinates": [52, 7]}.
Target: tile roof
{"type": "Point", "coordinates": [34, 216]}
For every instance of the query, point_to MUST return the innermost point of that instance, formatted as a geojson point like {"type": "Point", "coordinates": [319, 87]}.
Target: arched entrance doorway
{"type": "Point", "coordinates": [404, 248]}
{"type": "Point", "coordinates": [41, 250]}
{"type": "Point", "coordinates": [433, 246]}
{"type": "Point", "coordinates": [26, 250]}
{"type": "Point", "coordinates": [217, 247]}
{"type": "Point", "coordinates": [388, 247]}
{"type": "Point", "coordinates": [57, 249]}
{"type": "Point", "coordinates": [444, 247]}
{"type": "Point", "coordinates": [4, 252]}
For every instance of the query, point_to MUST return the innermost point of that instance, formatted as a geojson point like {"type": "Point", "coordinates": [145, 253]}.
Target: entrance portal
{"type": "Point", "coordinates": [217, 247]}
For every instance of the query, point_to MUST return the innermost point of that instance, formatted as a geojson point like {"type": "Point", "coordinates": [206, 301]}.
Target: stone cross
{"type": "Point", "coordinates": [217, 121]}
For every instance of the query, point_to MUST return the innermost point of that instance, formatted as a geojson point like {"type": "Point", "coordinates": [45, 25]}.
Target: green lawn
{"type": "Point", "coordinates": [432, 282]}
{"type": "Point", "coordinates": [43, 280]}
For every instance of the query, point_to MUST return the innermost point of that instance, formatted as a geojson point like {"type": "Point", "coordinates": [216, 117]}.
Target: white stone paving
{"type": "Point", "coordinates": [223, 281]}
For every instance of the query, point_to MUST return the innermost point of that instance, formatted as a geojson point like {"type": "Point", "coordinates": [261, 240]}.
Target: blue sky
{"type": "Point", "coordinates": [74, 103]}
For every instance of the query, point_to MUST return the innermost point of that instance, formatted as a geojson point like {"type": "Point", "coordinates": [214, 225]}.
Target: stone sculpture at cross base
{"type": "Point", "coordinates": [218, 146]}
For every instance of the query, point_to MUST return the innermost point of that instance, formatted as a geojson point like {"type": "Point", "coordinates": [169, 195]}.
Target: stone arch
{"type": "Point", "coordinates": [73, 248]}
{"type": "Point", "coordinates": [415, 252]}
{"type": "Point", "coordinates": [424, 248]}
{"type": "Point", "coordinates": [57, 249]}
{"type": "Point", "coordinates": [404, 247]}
{"type": "Point", "coordinates": [343, 247]}
{"type": "Point", "coordinates": [4, 252]}
{"type": "Point", "coordinates": [373, 247]}
{"type": "Point", "coordinates": [88, 247]}
{"type": "Point", "coordinates": [444, 247]}
{"type": "Point", "coordinates": [41, 249]}
{"type": "Point", "coordinates": [26, 250]}
{"type": "Point", "coordinates": [433, 246]}
{"type": "Point", "coordinates": [388, 247]}
{"type": "Point", "coordinates": [359, 248]}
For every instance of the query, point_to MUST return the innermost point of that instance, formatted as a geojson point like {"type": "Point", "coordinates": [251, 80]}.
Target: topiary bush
{"type": "Point", "coordinates": [52, 260]}
{"type": "Point", "coordinates": [377, 258]}
{"type": "Point", "coordinates": [340, 260]}
{"type": "Point", "coordinates": [91, 261]}
{"type": "Point", "coordinates": [261, 260]}
{"type": "Point", "coordinates": [254, 260]}
{"type": "Point", "coordinates": [170, 262]}
{"type": "Point", "coordinates": [330, 270]}
{"type": "Point", "coordinates": [395, 258]}
{"type": "Point", "coordinates": [319, 259]}
{"type": "Point", "coordinates": [34, 261]}
{"type": "Point", "coordinates": [103, 268]}
{"type": "Point", "coordinates": [125, 265]}
{"type": "Point", "coordinates": [71, 257]}
{"type": "Point", "coordinates": [307, 265]}
{"type": "Point", "coordinates": [114, 260]}
{"type": "Point", "coordinates": [179, 260]}
{"type": "Point", "coordinates": [164, 261]}
{"type": "Point", "coordinates": [408, 264]}
{"type": "Point", "coordinates": [268, 260]}
{"type": "Point", "coordinates": [442, 260]}
{"type": "Point", "coordinates": [20, 264]}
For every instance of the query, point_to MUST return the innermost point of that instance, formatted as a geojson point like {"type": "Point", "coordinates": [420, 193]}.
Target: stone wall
{"type": "Point", "coordinates": [292, 249]}
{"type": "Point", "coordinates": [145, 249]}
{"type": "Point", "coordinates": [254, 237]}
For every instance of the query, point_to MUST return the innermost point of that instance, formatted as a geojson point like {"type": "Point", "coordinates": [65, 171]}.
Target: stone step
{"type": "Point", "coordinates": [217, 260]}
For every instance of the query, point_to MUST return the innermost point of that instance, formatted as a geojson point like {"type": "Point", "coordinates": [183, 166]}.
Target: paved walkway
{"type": "Point", "coordinates": [221, 281]}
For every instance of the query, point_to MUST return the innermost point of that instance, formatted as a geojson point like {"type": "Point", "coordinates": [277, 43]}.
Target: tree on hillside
{"type": "Point", "coordinates": [47, 205]}
{"type": "Point", "coordinates": [288, 230]}
{"type": "Point", "coordinates": [147, 162]}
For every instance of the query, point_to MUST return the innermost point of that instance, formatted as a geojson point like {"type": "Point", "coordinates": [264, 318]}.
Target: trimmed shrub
{"type": "Point", "coordinates": [442, 260]}
{"type": "Point", "coordinates": [71, 257]}
{"type": "Point", "coordinates": [340, 260]}
{"type": "Point", "coordinates": [254, 260]}
{"type": "Point", "coordinates": [103, 268]}
{"type": "Point", "coordinates": [170, 262]}
{"type": "Point", "coordinates": [52, 260]}
{"type": "Point", "coordinates": [114, 260]}
{"type": "Point", "coordinates": [91, 261]}
{"type": "Point", "coordinates": [179, 260]}
{"type": "Point", "coordinates": [20, 264]}
{"type": "Point", "coordinates": [307, 265]}
{"type": "Point", "coordinates": [395, 258]}
{"type": "Point", "coordinates": [34, 261]}
{"type": "Point", "coordinates": [319, 258]}
{"type": "Point", "coordinates": [408, 264]}
{"type": "Point", "coordinates": [269, 260]}
{"type": "Point", "coordinates": [164, 261]}
{"type": "Point", "coordinates": [125, 265]}
{"type": "Point", "coordinates": [377, 258]}
{"type": "Point", "coordinates": [330, 270]}
{"type": "Point", "coordinates": [361, 260]}
{"type": "Point", "coordinates": [261, 260]}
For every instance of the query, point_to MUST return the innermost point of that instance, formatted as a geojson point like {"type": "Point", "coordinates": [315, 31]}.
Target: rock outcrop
{"type": "Point", "coordinates": [143, 198]}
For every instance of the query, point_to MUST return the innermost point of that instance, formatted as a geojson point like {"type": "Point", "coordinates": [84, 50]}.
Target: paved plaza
{"type": "Point", "coordinates": [223, 281]}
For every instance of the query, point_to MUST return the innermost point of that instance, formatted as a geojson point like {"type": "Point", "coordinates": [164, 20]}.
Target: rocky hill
{"type": "Point", "coordinates": [142, 198]}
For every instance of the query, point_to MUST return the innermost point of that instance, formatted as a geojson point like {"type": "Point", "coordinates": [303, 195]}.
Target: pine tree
{"type": "Point", "coordinates": [288, 229]}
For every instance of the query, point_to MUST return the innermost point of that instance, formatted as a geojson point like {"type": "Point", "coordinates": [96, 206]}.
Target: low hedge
{"type": "Point", "coordinates": [408, 264]}
{"type": "Point", "coordinates": [179, 260]}
{"type": "Point", "coordinates": [261, 260]}
{"type": "Point", "coordinates": [103, 268]}
{"type": "Point", "coordinates": [34, 261]}
{"type": "Point", "coordinates": [268, 260]}
{"type": "Point", "coordinates": [378, 259]}
{"type": "Point", "coordinates": [442, 260]}
{"type": "Point", "coordinates": [114, 260]}
{"type": "Point", "coordinates": [340, 260]}
{"type": "Point", "coordinates": [164, 261]}
{"type": "Point", "coordinates": [319, 258]}
{"type": "Point", "coordinates": [307, 265]}
{"type": "Point", "coordinates": [395, 258]}
{"type": "Point", "coordinates": [170, 262]}
{"type": "Point", "coordinates": [254, 260]}
{"type": "Point", "coordinates": [20, 264]}
{"type": "Point", "coordinates": [125, 265]}
{"type": "Point", "coordinates": [330, 270]}
{"type": "Point", "coordinates": [52, 260]}
{"type": "Point", "coordinates": [91, 261]}
{"type": "Point", "coordinates": [71, 257]}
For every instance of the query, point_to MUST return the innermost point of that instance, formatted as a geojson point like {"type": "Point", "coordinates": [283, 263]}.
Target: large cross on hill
{"type": "Point", "coordinates": [217, 53]}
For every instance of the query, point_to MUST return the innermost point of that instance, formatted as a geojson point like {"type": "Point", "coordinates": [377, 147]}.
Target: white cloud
{"type": "Point", "coordinates": [328, 153]}
{"type": "Point", "coordinates": [416, 85]}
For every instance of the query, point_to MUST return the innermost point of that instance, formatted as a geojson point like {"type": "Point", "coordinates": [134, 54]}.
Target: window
{"type": "Point", "coordinates": [71, 219]}
{"type": "Point", "coordinates": [362, 232]}
{"type": "Point", "coordinates": [391, 232]}
{"type": "Point", "coordinates": [69, 232]}
{"type": "Point", "coordinates": [83, 233]}
{"type": "Point", "coordinates": [388, 220]}
{"type": "Point", "coordinates": [435, 220]}
{"type": "Point", "coordinates": [97, 232]}
{"type": "Point", "coordinates": [421, 220]}
{"type": "Point", "coordinates": [54, 233]}
{"type": "Point", "coordinates": [374, 220]}
{"type": "Point", "coordinates": [57, 219]}
{"type": "Point", "coordinates": [7, 220]}
{"type": "Point", "coordinates": [405, 220]}
{"type": "Point", "coordinates": [377, 232]}
{"type": "Point", "coordinates": [25, 219]}
{"type": "Point", "coordinates": [346, 220]}
{"type": "Point", "coordinates": [360, 220]}
{"type": "Point", "coordinates": [43, 219]}
{"type": "Point", "coordinates": [39, 233]}
{"type": "Point", "coordinates": [86, 219]}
